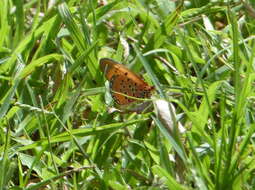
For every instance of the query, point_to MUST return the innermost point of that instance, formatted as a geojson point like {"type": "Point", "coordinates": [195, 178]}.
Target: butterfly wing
{"type": "Point", "coordinates": [124, 81]}
{"type": "Point", "coordinates": [125, 85]}
{"type": "Point", "coordinates": [117, 86]}
{"type": "Point", "coordinates": [111, 68]}
{"type": "Point", "coordinates": [108, 67]}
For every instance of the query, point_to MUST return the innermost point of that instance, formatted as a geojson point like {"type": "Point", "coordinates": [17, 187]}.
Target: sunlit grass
{"type": "Point", "coordinates": [58, 130]}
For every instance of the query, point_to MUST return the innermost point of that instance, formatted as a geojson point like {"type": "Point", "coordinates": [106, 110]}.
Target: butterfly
{"type": "Point", "coordinates": [124, 81]}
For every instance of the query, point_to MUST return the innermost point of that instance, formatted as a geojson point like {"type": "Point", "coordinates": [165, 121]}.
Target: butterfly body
{"type": "Point", "coordinates": [124, 81]}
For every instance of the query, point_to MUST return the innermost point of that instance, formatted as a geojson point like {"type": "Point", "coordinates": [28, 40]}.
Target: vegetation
{"type": "Point", "coordinates": [58, 129]}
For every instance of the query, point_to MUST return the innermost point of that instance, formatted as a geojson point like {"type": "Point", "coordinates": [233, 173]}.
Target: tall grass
{"type": "Point", "coordinates": [58, 130]}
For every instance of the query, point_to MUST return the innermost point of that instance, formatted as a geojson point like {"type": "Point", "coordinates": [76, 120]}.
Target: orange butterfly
{"type": "Point", "coordinates": [124, 81]}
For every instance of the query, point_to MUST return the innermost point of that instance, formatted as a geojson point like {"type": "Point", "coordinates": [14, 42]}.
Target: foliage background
{"type": "Point", "coordinates": [56, 129]}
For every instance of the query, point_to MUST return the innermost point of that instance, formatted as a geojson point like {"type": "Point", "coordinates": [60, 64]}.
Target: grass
{"type": "Point", "coordinates": [58, 130]}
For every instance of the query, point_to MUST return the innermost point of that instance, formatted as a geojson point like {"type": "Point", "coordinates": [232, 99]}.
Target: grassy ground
{"type": "Point", "coordinates": [57, 128]}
